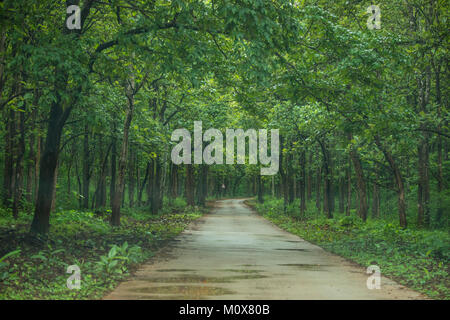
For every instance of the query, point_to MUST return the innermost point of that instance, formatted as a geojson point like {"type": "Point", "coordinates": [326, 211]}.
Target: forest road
{"type": "Point", "coordinates": [233, 253]}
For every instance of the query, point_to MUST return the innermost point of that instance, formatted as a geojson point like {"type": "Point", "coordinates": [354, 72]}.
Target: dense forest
{"type": "Point", "coordinates": [88, 114]}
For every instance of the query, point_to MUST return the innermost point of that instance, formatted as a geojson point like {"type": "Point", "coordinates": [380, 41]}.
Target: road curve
{"type": "Point", "coordinates": [233, 253]}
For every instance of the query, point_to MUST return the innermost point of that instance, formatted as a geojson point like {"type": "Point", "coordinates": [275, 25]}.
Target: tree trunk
{"type": "Point", "coordinates": [8, 172]}
{"type": "Point", "coordinates": [156, 187]}
{"type": "Point", "coordinates": [360, 183]}
{"type": "Point", "coordinates": [399, 183]}
{"type": "Point", "coordinates": [174, 181]}
{"type": "Point", "coordinates": [302, 185]}
{"type": "Point", "coordinates": [273, 186]}
{"type": "Point", "coordinates": [47, 168]}
{"type": "Point", "coordinates": [131, 178]}
{"type": "Point", "coordinates": [118, 195]}
{"type": "Point", "coordinates": [40, 142]}
{"type": "Point", "coordinates": [440, 174]}
{"type": "Point", "coordinates": [327, 179]}
{"type": "Point", "coordinates": [318, 185]}
{"type": "Point", "coordinates": [18, 181]}
{"type": "Point", "coordinates": [260, 189]}
{"type": "Point", "coordinates": [55, 181]}
{"type": "Point", "coordinates": [86, 168]}
{"type": "Point", "coordinates": [310, 178]}
{"type": "Point", "coordinates": [349, 188]}
{"type": "Point", "coordinates": [100, 193]}
{"type": "Point", "coordinates": [202, 185]}
{"type": "Point", "coordinates": [341, 194]}
{"type": "Point", "coordinates": [284, 180]}
{"type": "Point", "coordinates": [331, 180]}
{"type": "Point", "coordinates": [423, 218]}
{"type": "Point", "coordinates": [190, 185]}
{"type": "Point", "coordinates": [290, 178]}
{"type": "Point", "coordinates": [375, 201]}
{"type": "Point", "coordinates": [31, 164]}
{"type": "Point", "coordinates": [141, 189]}
{"type": "Point", "coordinates": [112, 186]}
{"type": "Point", "coordinates": [151, 177]}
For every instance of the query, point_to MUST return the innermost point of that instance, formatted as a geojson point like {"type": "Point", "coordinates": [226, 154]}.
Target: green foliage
{"type": "Point", "coordinates": [414, 257]}
{"type": "Point", "coordinates": [308, 68]}
{"type": "Point", "coordinates": [118, 258]}
{"type": "Point", "coordinates": [7, 274]}
{"type": "Point", "coordinates": [37, 270]}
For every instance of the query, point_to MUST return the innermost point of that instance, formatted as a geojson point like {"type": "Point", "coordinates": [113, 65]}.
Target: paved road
{"type": "Point", "coordinates": [232, 253]}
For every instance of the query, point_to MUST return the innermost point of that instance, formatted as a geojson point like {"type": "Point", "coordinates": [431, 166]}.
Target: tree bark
{"type": "Point", "coordinates": [360, 183]}
{"type": "Point", "coordinates": [174, 181]}
{"type": "Point", "coordinates": [112, 186]}
{"type": "Point", "coordinates": [47, 168]}
{"type": "Point", "coordinates": [349, 188]}
{"type": "Point", "coordinates": [86, 168]}
{"type": "Point", "coordinates": [156, 187]}
{"type": "Point", "coordinates": [8, 172]}
{"type": "Point", "coordinates": [18, 181]}
{"type": "Point", "coordinates": [302, 185]}
{"type": "Point", "coordinates": [398, 180]}
{"type": "Point", "coordinates": [190, 185]}
{"type": "Point", "coordinates": [31, 164]}
{"type": "Point", "coordinates": [131, 178]}
{"type": "Point", "coordinates": [440, 174]}
{"type": "Point", "coordinates": [341, 194]}
{"type": "Point", "coordinates": [141, 189]}
{"type": "Point", "coordinates": [260, 189]}
{"type": "Point", "coordinates": [100, 192]}
{"type": "Point", "coordinates": [119, 189]}
{"type": "Point", "coordinates": [310, 178]}
{"type": "Point", "coordinates": [202, 185]}
{"type": "Point", "coordinates": [375, 201]}
{"type": "Point", "coordinates": [327, 180]}
{"type": "Point", "coordinates": [423, 198]}
{"type": "Point", "coordinates": [318, 185]}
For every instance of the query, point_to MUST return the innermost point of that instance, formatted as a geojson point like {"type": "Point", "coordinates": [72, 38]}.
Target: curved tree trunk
{"type": "Point", "coordinates": [47, 168]}
{"type": "Point", "coordinates": [399, 183]}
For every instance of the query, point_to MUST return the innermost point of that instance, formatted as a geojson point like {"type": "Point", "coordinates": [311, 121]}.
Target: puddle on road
{"type": "Point", "coordinates": [190, 278]}
{"type": "Point", "coordinates": [269, 236]}
{"type": "Point", "coordinates": [188, 291]}
{"type": "Point", "coordinates": [305, 266]}
{"type": "Point", "coordinates": [292, 249]}
{"type": "Point", "coordinates": [174, 270]}
{"type": "Point", "coordinates": [242, 270]}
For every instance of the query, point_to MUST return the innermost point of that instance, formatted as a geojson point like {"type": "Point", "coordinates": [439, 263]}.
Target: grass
{"type": "Point", "coordinates": [416, 258]}
{"type": "Point", "coordinates": [37, 269]}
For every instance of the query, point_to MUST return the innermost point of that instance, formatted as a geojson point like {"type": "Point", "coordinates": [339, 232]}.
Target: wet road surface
{"type": "Point", "coordinates": [233, 253]}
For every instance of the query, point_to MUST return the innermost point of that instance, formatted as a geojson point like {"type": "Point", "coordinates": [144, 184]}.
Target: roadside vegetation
{"type": "Point", "coordinates": [414, 257]}
{"type": "Point", "coordinates": [35, 268]}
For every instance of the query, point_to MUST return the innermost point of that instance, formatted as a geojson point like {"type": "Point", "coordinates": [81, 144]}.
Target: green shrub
{"type": "Point", "coordinates": [118, 259]}
{"type": "Point", "coordinates": [415, 257]}
{"type": "Point", "coordinates": [7, 273]}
